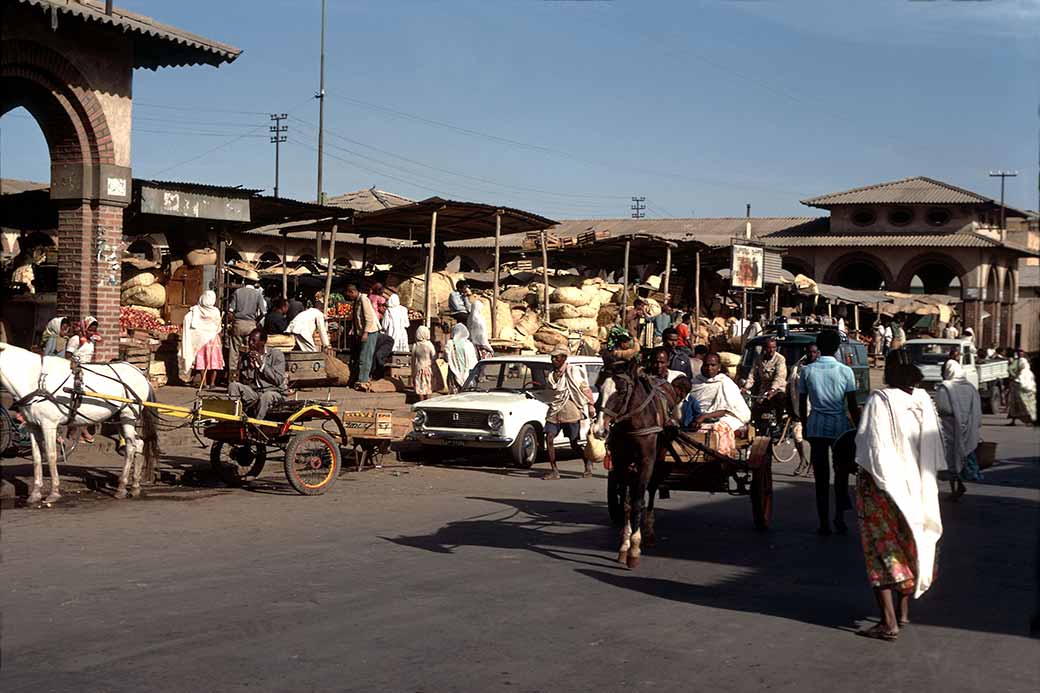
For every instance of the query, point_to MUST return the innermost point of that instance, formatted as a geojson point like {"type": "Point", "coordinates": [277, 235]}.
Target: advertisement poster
{"type": "Point", "coordinates": [747, 267]}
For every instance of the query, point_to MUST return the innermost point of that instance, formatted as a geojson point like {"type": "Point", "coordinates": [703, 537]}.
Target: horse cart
{"type": "Point", "coordinates": [312, 436]}
{"type": "Point", "coordinates": [696, 465]}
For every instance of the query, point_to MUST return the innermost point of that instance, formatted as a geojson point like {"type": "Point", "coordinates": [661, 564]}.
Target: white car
{"type": "Point", "coordinates": [502, 406]}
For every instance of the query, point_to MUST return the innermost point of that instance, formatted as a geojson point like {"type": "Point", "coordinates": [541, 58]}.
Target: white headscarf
{"type": "Point", "coordinates": [477, 324]}
{"type": "Point", "coordinates": [201, 324]}
{"type": "Point", "coordinates": [952, 370]}
{"type": "Point", "coordinates": [461, 354]}
{"type": "Point", "coordinates": [53, 328]}
{"type": "Point", "coordinates": [395, 323]}
{"type": "Point", "coordinates": [960, 411]}
{"type": "Point", "coordinates": [898, 443]}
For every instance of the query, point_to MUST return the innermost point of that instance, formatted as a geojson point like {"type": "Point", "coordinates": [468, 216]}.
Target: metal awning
{"type": "Point", "coordinates": [456, 221]}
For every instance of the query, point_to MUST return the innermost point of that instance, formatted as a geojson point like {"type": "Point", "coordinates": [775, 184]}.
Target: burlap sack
{"type": "Point", "coordinates": [338, 371]}
{"type": "Point", "coordinates": [570, 294]}
{"type": "Point", "coordinates": [151, 296]}
{"type": "Point", "coordinates": [563, 311]}
{"type": "Point", "coordinates": [529, 324]}
{"type": "Point", "coordinates": [202, 256]}
{"type": "Point", "coordinates": [588, 311]}
{"type": "Point", "coordinates": [515, 294]}
{"type": "Point", "coordinates": [547, 335]}
{"type": "Point", "coordinates": [139, 279]}
{"type": "Point", "coordinates": [580, 324]}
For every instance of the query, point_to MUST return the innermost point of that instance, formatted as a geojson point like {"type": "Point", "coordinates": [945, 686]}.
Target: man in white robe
{"type": "Point", "coordinates": [723, 409]}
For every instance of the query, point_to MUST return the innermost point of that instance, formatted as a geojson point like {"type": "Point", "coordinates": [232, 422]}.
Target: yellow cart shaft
{"type": "Point", "coordinates": [186, 413]}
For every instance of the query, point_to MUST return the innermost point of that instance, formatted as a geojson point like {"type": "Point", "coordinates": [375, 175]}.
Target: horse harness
{"type": "Point", "coordinates": [655, 393]}
{"type": "Point", "coordinates": [41, 393]}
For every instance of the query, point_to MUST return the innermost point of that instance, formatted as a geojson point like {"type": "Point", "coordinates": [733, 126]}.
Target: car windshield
{"type": "Point", "coordinates": [508, 376]}
{"type": "Point", "coordinates": [929, 354]}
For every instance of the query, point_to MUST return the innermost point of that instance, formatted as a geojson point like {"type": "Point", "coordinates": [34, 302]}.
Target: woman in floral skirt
{"type": "Point", "coordinates": [899, 450]}
{"type": "Point", "coordinates": [423, 354]}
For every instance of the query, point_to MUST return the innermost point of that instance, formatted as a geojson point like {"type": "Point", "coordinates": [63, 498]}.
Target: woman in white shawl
{"type": "Point", "coordinates": [423, 356]}
{"type": "Point", "coordinates": [478, 329]}
{"type": "Point", "coordinates": [1022, 404]}
{"type": "Point", "coordinates": [461, 356]}
{"type": "Point", "coordinates": [395, 324]}
{"type": "Point", "coordinates": [899, 450]}
{"type": "Point", "coordinates": [200, 340]}
{"type": "Point", "coordinates": [55, 337]}
{"type": "Point", "coordinates": [960, 411]}
{"type": "Point", "coordinates": [722, 406]}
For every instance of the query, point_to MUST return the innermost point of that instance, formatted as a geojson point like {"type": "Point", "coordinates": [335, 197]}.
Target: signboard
{"type": "Point", "coordinates": [746, 268]}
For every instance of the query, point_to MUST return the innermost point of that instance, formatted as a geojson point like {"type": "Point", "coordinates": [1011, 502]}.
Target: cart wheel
{"type": "Point", "coordinates": [312, 462]}
{"type": "Point", "coordinates": [762, 496]}
{"type": "Point", "coordinates": [234, 463]}
{"type": "Point", "coordinates": [615, 499]}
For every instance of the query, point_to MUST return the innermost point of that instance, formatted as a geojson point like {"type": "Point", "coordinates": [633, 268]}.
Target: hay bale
{"type": "Point", "coordinates": [570, 294]}
{"type": "Point", "coordinates": [139, 279]}
{"type": "Point", "coordinates": [151, 296]}
{"type": "Point", "coordinates": [562, 311]}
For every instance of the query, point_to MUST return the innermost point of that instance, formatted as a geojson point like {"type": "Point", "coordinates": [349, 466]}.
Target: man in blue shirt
{"type": "Point", "coordinates": [830, 387]}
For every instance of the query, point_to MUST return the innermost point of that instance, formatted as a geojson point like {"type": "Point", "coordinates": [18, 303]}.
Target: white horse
{"type": "Point", "coordinates": [42, 389]}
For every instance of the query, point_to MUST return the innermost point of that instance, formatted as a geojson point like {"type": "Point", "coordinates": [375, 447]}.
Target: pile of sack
{"type": "Point", "coordinates": [144, 292]}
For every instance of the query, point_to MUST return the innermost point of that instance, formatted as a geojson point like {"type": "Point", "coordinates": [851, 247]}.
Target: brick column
{"type": "Point", "coordinates": [86, 285]}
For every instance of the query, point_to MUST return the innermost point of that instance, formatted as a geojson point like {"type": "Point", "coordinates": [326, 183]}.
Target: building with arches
{"type": "Point", "coordinates": [70, 64]}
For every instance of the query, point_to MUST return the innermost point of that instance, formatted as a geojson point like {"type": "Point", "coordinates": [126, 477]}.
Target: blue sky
{"type": "Point", "coordinates": [570, 108]}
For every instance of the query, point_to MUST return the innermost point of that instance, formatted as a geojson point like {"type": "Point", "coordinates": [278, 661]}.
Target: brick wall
{"type": "Point", "coordinates": [83, 282]}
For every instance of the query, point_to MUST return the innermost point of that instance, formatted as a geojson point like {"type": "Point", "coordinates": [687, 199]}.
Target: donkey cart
{"type": "Point", "coordinates": [696, 465]}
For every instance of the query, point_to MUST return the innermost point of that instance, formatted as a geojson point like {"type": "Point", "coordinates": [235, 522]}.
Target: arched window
{"type": "Point", "coordinates": [268, 259]}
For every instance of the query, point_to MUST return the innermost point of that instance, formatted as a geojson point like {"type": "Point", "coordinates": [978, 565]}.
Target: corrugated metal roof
{"type": "Point", "coordinates": [715, 232]}
{"type": "Point", "coordinates": [175, 46]}
{"type": "Point", "coordinates": [911, 191]}
{"type": "Point", "coordinates": [368, 200]}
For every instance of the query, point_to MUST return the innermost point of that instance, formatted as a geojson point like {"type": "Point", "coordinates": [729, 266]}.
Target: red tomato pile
{"type": "Point", "coordinates": [131, 318]}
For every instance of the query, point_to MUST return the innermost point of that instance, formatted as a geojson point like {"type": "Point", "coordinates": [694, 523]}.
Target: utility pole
{"type": "Point", "coordinates": [638, 207]}
{"type": "Point", "coordinates": [277, 137]}
{"type": "Point", "coordinates": [320, 96]}
{"type": "Point", "coordinates": [1003, 175]}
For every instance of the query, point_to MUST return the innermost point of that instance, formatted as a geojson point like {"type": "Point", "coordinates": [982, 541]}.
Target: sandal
{"type": "Point", "coordinates": [878, 632]}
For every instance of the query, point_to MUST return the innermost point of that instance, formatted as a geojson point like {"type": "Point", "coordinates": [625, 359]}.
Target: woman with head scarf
{"type": "Point", "coordinates": [200, 340]}
{"type": "Point", "coordinates": [395, 324]}
{"type": "Point", "coordinates": [461, 356]}
{"type": "Point", "coordinates": [55, 337]}
{"type": "Point", "coordinates": [80, 346]}
{"type": "Point", "coordinates": [899, 451]}
{"type": "Point", "coordinates": [478, 330]}
{"type": "Point", "coordinates": [1022, 403]}
{"type": "Point", "coordinates": [960, 410]}
{"type": "Point", "coordinates": [423, 354]}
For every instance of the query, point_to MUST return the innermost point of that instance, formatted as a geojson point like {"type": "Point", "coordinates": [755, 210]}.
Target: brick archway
{"type": "Point", "coordinates": [80, 143]}
{"type": "Point", "coordinates": [850, 260]}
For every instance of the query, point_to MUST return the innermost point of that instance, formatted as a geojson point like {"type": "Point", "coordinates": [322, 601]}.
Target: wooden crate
{"type": "Point", "coordinates": [591, 237]}
{"type": "Point", "coordinates": [370, 423]}
{"type": "Point", "coordinates": [305, 365]}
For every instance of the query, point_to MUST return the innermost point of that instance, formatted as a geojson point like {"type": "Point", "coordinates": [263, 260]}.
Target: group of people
{"type": "Point", "coordinates": [75, 342]}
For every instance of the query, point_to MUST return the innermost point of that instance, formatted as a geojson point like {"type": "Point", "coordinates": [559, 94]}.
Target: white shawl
{"type": "Point", "coordinates": [899, 444]}
{"type": "Point", "coordinates": [721, 393]}
{"type": "Point", "coordinates": [477, 324]}
{"type": "Point", "coordinates": [395, 323]}
{"type": "Point", "coordinates": [952, 370]}
{"type": "Point", "coordinates": [960, 411]}
{"type": "Point", "coordinates": [201, 324]}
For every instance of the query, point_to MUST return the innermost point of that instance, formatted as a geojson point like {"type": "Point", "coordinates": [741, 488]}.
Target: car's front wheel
{"type": "Point", "coordinates": [524, 450]}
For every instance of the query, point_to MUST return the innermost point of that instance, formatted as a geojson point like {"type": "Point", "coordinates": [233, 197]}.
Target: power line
{"type": "Point", "coordinates": [638, 208]}
{"type": "Point", "coordinates": [195, 109]}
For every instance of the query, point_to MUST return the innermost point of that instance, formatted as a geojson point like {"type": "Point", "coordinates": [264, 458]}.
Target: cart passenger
{"type": "Point", "coordinates": [723, 409]}
{"type": "Point", "coordinates": [261, 380]}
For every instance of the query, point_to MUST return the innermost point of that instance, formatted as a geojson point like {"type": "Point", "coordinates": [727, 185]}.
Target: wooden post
{"type": "Point", "coordinates": [328, 271]}
{"type": "Point", "coordinates": [743, 317]}
{"type": "Point", "coordinates": [545, 276]}
{"type": "Point", "coordinates": [776, 302]}
{"type": "Point", "coordinates": [697, 292]}
{"type": "Point", "coordinates": [364, 254]}
{"type": "Point", "coordinates": [428, 298]}
{"type": "Point", "coordinates": [624, 290]}
{"type": "Point", "coordinates": [218, 286]}
{"type": "Point", "coordinates": [667, 273]}
{"type": "Point", "coordinates": [317, 244]}
{"type": "Point", "coordinates": [285, 265]}
{"type": "Point", "coordinates": [855, 317]}
{"type": "Point", "coordinates": [494, 295]}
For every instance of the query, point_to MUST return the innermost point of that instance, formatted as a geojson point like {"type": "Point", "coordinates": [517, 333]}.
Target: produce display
{"type": "Point", "coordinates": [136, 319]}
{"type": "Point", "coordinates": [343, 310]}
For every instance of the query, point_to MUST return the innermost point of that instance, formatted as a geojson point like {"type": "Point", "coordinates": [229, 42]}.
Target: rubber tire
{"type": "Point", "coordinates": [516, 450]}
{"type": "Point", "coordinates": [762, 497]}
{"type": "Point", "coordinates": [290, 456]}
{"type": "Point", "coordinates": [615, 503]}
{"type": "Point", "coordinates": [226, 474]}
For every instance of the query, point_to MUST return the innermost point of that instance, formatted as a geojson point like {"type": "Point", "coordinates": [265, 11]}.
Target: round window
{"type": "Point", "coordinates": [901, 216]}
{"type": "Point", "coordinates": [937, 216]}
{"type": "Point", "coordinates": [864, 217]}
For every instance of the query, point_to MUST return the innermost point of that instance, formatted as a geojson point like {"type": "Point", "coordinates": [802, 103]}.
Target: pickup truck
{"type": "Point", "coordinates": [501, 407]}
{"type": "Point", "coordinates": [930, 354]}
